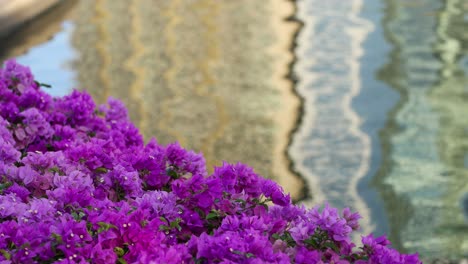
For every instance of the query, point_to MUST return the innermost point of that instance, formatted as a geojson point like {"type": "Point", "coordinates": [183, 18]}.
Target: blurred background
{"type": "Point", "coordinates": [361, 103]}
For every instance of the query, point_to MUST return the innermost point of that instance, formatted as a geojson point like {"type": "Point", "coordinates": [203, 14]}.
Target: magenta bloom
{"type": "Point", "coordinates": [78, 185]}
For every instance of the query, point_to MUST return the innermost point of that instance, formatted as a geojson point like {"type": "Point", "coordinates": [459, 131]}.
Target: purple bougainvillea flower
{"type": "Point", "coordinates": [78, 185]}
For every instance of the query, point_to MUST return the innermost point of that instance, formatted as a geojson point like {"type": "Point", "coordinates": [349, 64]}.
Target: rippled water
{"type": "Point", "coordinates": [384, 88]}
{"type": "Point", "coordinates": [329, 149]}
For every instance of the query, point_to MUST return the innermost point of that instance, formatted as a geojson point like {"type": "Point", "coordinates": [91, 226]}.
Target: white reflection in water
{"type": "Point", "coordinates": [329, 149]}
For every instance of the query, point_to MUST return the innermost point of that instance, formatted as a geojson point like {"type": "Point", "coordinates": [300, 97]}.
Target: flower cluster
{"type": "Point", "coordinates": [78, 185]}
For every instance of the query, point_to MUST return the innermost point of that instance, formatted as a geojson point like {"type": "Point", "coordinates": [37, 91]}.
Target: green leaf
{"type": "Point", "coordinates": [91, 133]}
{"type": "Point", "coordinates": [78, 215]}
{"type": "Point", "coordinates": [242, 201]}
{"type": "Point", "coordinates": [172, 173]}
{"type": "Point", "coordinates": [119, 251]}
{"type": "Point", "coordinates": [101, 170]}
{"type": "Point", "coordinates": [11, 245]}
{"type": "Point", "coordinates": [5, 185]}
{"type": "Point", "coordinates": [237, 252]}
{"type": "Point", "coordinates": [164, 228]}
{"type": "Point", "coordinates": [249, 255]}
{"type": "Point", "coordinates": [331, 245]}
{"type": "Point", "coordinates": [121, 261]}
{"type": "Point", "coordinates": [105, 227]}
{"type": "Point", "coordinates": [175, 224]}
{"type": "Point", "coordinates": [57, 170]}
{"type": "Point", "coordinates": [75, 216]}
{"type": "Point", "coordinates": [89, 228]}
{"type": "Point", "coordinates": [5, 254]}
{"type": "Point", "coordinates": [43, 84]}
{"type": "Point", "coordinates": [57, 238]}
{"type": "Point", "coordinates": [286, 237]}
{"type": "Point", "coordinates": [200, 212]}
{"type": "Point", "coordinates": [212, 215]}
{"type": "Point", "coordinates": [99, 113]}
{"type": "Point", "coordinates": [143, 172]}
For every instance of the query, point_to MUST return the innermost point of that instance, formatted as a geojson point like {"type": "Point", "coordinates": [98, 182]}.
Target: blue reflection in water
{"type": "Point", "coordinates": [373, 104]}
{"type": "Point", "coordinates": [49, 62]}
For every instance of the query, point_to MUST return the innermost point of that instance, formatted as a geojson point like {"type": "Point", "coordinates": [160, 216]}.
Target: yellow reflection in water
{"type": "Point", "coordinates": [209, 74]}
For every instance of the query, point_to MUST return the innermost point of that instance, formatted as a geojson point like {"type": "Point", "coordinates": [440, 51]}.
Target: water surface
{"type": "Point", "coordinates": [382, 125]}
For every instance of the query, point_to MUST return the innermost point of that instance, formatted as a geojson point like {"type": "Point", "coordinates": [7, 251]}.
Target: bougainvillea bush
{"type": "Point", "coordinates": [78, 185]}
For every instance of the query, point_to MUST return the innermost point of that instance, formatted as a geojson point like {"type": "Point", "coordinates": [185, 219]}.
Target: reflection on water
{"type": "Point", "coordinates": [427, 129]}
{"type": "Point", "coordinates": [209, 74]}
{"type": "Point", "coordinates": [410, 152]}
{"type": "Point", "coordinates": [449, 98]}
{"type": "Point", "coordinates": [329, 149]}
{"type": "Point", "coordinates": [61, 83]}
{"type": "Point", "coordinates": [383, 82]}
